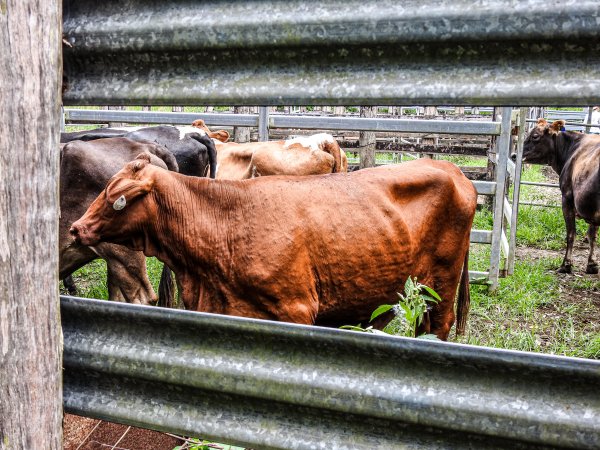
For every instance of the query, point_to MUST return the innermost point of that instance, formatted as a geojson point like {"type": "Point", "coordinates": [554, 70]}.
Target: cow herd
{"type": "Point", "coordinates": [280, 230]}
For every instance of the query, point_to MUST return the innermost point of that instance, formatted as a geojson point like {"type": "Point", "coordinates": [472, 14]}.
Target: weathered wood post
{"type": "Point", "coordinates": [30, 335]}
{"type": "Point", "coordinates": [367, 140]}
{"type": "Point", "coordinates": [241, 134]}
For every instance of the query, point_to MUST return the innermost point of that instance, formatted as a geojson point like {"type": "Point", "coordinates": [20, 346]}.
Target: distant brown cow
{"type": "Point", "coordinates": [308, 155]}
{"type": "Point", "coordinates": [576, 158]}
{"type": "Point", "coordinates": [278, 247]}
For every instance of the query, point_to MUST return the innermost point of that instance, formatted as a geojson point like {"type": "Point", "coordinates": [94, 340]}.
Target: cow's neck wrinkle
{"type": "Point", "coordinates": [193, 229]}
{"type": "Point", "coordinates": [565, 147]}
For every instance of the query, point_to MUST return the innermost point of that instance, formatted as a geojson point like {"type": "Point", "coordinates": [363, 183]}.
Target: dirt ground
{"type": "Point", "coordinates": [82, 433]}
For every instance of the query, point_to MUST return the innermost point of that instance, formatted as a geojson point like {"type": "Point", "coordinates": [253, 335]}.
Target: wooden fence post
{"type": "Point", "coordinates": [367, 140]}
{"type": "Point", "coordinates": [30, 335]}
{"type": "Point", "coordinates": [241, 134]}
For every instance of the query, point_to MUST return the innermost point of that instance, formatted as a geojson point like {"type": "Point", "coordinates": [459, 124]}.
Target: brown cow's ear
{"type": "Point", "coordinates": [199, 123]}
{"type": "Point", "coordinates": [557, 126]}
{"type": "Point", "coordinates": [220, 135]}
{"type": "Point", "coordinates": [140, 161]}
{"type": "Point", "coordinates": [542, 123]}
{"type": "Point", "coordinates": [123, 190]}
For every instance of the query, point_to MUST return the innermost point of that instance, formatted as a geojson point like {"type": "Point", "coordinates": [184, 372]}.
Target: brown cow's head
{"type": "Point", "coordinates": [118, 214]}
{"type": "Point", "coordinates": [219, 135]}
{"type": "Point", "coordinates": [539, 146]}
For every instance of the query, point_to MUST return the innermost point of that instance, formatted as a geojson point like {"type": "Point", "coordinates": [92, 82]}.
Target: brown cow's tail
{"type": "Point", "coordinates": [334, 150]}
{"type": "Point", "coordinates": [464, 299]}
{"type": "Point", "coordinates": [166, 290]}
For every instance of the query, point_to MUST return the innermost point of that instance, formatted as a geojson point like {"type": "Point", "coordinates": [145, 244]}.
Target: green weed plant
{"type": "Point", "coordinates": [408, 311]}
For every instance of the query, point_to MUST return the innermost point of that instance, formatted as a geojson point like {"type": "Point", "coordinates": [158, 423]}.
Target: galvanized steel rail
{"type": "Point", "coordinates": [334, 52]}
{"type": "Point", "coordinates": [465, 127]}
{"type": "Point", "coordinates": [273, 385]}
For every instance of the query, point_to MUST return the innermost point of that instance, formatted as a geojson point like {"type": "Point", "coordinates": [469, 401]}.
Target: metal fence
{"type": "Point", "coordinates": [272, 385]}
{"type": "Point", "coordinates": [339, 52]}
{"type": "Point", "coordinates": [497, 237]}
{"type": "Point", "coordinates": [283, 386]}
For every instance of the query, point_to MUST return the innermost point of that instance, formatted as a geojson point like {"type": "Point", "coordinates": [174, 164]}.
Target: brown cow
{"type": "Point", "coordinates": [576, 158]}
{"type": "Point", "coordinates": [85, 168]}
{"type": "Point", "coordinates": [309, 155]}
{"type": "Point", "coordinates": [278, 247]}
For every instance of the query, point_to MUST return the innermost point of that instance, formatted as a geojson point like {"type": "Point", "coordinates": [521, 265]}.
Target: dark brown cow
{"type": "Point", "coordinates": [307, 155]}
{"type": "Point", "coordinates": [575, 157]}
{"type": "Point", "coordinates": [279, 247]}
{"type": "Point", "coordinates": [85, 168]}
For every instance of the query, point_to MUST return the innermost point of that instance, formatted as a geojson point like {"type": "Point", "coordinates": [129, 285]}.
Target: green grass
{"type": "Point", "coordinates": [525, 314]}
{"type": "Point", "coordinates": [91, 278]}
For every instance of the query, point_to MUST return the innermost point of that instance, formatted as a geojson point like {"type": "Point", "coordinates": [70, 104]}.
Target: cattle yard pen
{"type": "Point", "coordinates": [283, 386]}
{"type": "Point", "coordinates": [501, 245]}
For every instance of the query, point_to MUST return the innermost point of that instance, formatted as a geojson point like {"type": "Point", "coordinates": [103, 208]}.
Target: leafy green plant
{"type": "Point", "coordinates": [409, 311]}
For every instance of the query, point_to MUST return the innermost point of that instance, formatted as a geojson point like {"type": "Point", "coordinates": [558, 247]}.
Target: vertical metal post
{"type": "Point", "coordinates": [263, 123]}
{"type": "Point", "coordinates": [588, 118]}
{"type": "Point", "coordinates": [502, 150]}
{"type": "Point", "coordinates": [512, 245]}
{"type": "Point", "coordinates": [62, 119]}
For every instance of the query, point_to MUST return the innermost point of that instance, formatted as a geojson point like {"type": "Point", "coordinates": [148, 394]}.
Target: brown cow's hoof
{"type": "Point", "coordinates": [592, 268]}
{"type": "Point", "coordinates": [565, 269]}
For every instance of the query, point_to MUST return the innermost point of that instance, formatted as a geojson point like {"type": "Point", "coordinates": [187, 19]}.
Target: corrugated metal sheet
{"type": "Point", "coordinates": [276, 385]}
{"type": "Point", "coordinates": [332, 52]}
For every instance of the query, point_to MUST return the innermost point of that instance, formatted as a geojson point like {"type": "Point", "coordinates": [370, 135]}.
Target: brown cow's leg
{"type": "Point", "coordinates": [592, 266]}
{"type": "Point", "coordinates": [127, 276]}
{"type": "Point", "coordinates": [569, 215]}
{"type": "Point", "coordinates": [113, 283]}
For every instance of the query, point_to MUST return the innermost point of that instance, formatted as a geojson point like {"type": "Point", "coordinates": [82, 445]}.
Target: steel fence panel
{"type": "Point", "coordinates": [154, 117]}
{"type": "Point", "coordinates": [487, 128]}
{"type": "Point", "coordinates": [335, 52]}
{"type": "Point", "coordinates": [498, 232]}
{"type": "Point", "coordinates": [276, 385]}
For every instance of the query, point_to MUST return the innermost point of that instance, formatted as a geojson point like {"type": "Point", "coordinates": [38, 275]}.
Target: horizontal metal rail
{"type": "Point", "coordinates": [485, 187]}
{"type": "Point", "coordinates": [578, 124]}
{"type": "Point", "coordinates": [288, 121]}
{"type": "Point", "coordinates": [481, 237]}
{"type": "Point", "coordinates": [339, 52]}
{"type": "Point", "coordinates": [535, 183]}
{"type": "Point", "coordinates": [272, 385]}
{"type": "Point", "coordinates": [390, 125]}
{"type": "Point", "coordinates": [478, 277]}
{"type": "Point", "coordinates": [543, 205]}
